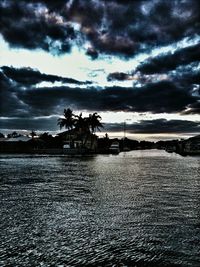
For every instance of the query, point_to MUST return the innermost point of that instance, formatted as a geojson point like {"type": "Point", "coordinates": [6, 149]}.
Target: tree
{"type": "Point", "coordinates": [94, 122]}
{"type": "Point", "coordinates": [68, 121]}
{"type": "Point", "coordinates": [46, 136]}
{"type": "Point", "coordinates": [81, 123]}
{"type": "Point", "coordinates": [2, 135]}
{"type": "Point", "coordinates": [47, 139]}
{"type": "Point", "coordinates": [106, 136]}
{"type": "Point", "coordinates": [14, 135]}
{"type": "Point", "coordinates": [33, 134]}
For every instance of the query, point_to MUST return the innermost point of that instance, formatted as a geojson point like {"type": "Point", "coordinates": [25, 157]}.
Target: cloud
{"type": "Point", "coordinates": [127, 27]}
{"type": "Point", "coordinates": [119, 76]}
{"type": "Point", "coordinates": [170, 61]}
{"type": "Point", "coordinates": [111, 27]}
{"type": "Point", "coordinates": [92, 53]}
{"type": "Point", "coordinates": [192, 109]}
{"type": "Point", "coordinates": [28, 76]}
{"type": "Point", "coordinates": [28, 24]}
{"type": "Point", "coordinates": [160, 97]}
{"type": "Point", "coordinates": [167, 83]}
{"type": "Point", "coordinates": [157, 126]}
{"type": "Point", "coordinates": [10, 103]}
{"type": "Point", "coordinates": [39, 124]}
{"type": "Point", "coordinates": [23, 103]}
{"type": "Point", "coordinates": [141, 127]}
{"type": "Point", "coordinates": [187, 77]}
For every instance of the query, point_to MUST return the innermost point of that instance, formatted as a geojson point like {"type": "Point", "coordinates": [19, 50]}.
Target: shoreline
{"type": "Point", "coordinates": [87, 153]}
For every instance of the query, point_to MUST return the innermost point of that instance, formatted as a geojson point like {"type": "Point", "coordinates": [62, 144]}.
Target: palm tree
{"type": "Point", "coordinates": [14, 135]}
{"type": "Point", "coordinates": [68, 121]}
{"type": "Point", "coordinates": [94, 122]}
{"type": "Point", "coordinates": [85, 126]}
{"type": "Point", "coordinates": [33, 134]}
{"type": "Point", "coordinates": [82, 127]}
{"type": "Point", "coordinates": [81, 123]}
{"type": "Point", "coordinates": [2, 135]}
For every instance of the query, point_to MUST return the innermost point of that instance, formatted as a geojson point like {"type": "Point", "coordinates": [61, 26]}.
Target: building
{"type": "Point", "coordinates": [192, 145]}
{"type": "Point", "coordinates": [77, 139]}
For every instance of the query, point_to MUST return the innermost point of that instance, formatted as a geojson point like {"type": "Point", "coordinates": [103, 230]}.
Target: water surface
{"type": "Point", "coordinates": [139, 208]}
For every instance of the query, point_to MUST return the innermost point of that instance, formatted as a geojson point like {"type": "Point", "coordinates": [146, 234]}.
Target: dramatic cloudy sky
{"type": "Point", "coordinates": [133, 61]}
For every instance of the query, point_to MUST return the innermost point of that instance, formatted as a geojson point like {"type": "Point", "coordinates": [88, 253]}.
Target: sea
{"type": "Point", "coordinates": [138, 208]}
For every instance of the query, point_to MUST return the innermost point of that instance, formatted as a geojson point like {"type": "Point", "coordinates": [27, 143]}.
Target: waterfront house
{"type": "Point", "coordinates": [192, 145]}
{"type": "Point", "coordinates": [79, 139]}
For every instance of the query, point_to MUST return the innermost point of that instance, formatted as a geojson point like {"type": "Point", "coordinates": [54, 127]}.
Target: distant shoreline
{"type": "Point", "coordinates": [61, 152]}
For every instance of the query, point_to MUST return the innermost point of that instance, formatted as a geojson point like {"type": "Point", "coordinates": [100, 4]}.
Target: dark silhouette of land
{"type": "Point", "coordinates": [80, 138]}
{"type": "Point", "coordinates": [46, 143]}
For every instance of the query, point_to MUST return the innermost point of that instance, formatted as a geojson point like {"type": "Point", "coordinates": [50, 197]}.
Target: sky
{"type": "Point", "coordinates": [131, 61]}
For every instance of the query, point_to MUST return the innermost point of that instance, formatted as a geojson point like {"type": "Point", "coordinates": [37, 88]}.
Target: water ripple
{"type": "Point", "coordinates": [139, 208]}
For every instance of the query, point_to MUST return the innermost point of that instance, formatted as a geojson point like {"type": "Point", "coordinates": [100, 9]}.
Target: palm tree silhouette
{"type": "Point", "coordinates": [2, 135]}
{"type": "Point", "coordinates": [33, 134]}
{"type": "Point", "coordinates": [94, 122]}
{"type": "Point", "coordinates": [68, 121]}
{"type": "Point", "coordinates": [13, 135]}
{"type": "Point", "coordinates": [83, 126]}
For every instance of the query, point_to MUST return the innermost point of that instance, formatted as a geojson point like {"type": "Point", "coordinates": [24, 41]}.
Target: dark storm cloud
{"type": "Point", "coordinates": [10, 104]}
{"type": "Point", "coordinates": [28, 76]}
{"type": "Point", "coordinates": [113, 27]}
{"type": "Point", "coordinates": [187, 77]}
{"type": "Point", "coordinates": [119, 76]}
{"type": "Point", "coordinates": [156, 98]}
{"type": "Point", "coordinates": [24, 24]}
{"type": "Point", "coordinates": [157, 126]}
{"type": "Point", "coordinates": [52, 4]}
{"type": "Point", "coordinates": [192, 109]}
{"type": "Point", "coordinates": [126, 27]}
{"type": "Point", "coordinates": [24, 102]}
{"type": "Point", "coordinates": [41, 124]}
{"type": "Point", "coordinates": [170, 61]}
{"type": "Point", "coordinates": [92, 53]}
{"type": "Point", "coordinates": [142, 127]}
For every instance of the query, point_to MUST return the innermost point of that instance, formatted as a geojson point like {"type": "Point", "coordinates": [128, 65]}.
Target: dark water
{"type": "Point", "coordinates": [141, 208]}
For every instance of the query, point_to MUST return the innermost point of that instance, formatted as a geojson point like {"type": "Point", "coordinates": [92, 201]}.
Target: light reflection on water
{"type": "Point", "coordinates": [140, 208]}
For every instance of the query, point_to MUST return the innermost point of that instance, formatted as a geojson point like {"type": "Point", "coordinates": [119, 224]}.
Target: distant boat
{"type": "Point", "coordinates": [114, 148]}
